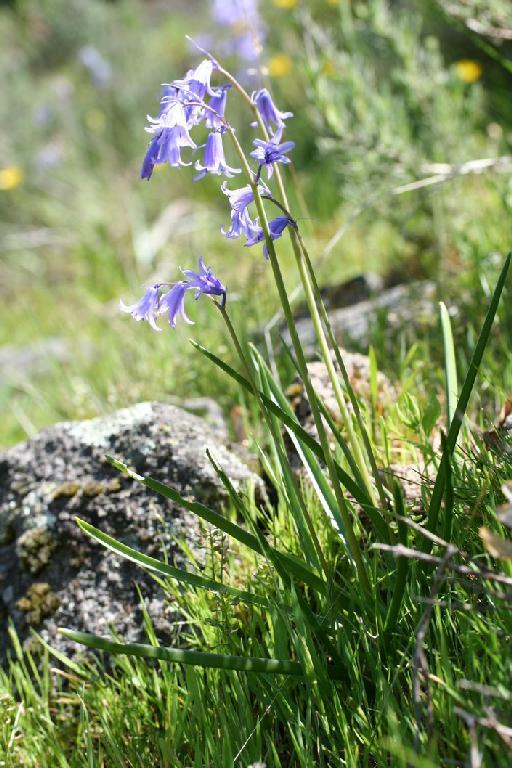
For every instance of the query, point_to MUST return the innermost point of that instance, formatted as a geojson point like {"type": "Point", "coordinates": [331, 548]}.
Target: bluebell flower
{"type": "Point", "coordinates": [147, 308]}
{"type": "Point", "coordinates": [171, 135]}
{"type": "Point", "coordinates": [150, 158]}
{"type": "Point", "coordinates": [214, 159]}
{"type": "Point", "coordinates": [239, 200]}
{"type": "Point", "coordinates": [197, 81]}
{"type": "Point", "coordinates": [172, 303]}
{"type": "Point", "coordinates": [205, 282]}
{"type": "Point", "coordinates": [269, 152]}
{"type": "Point", "coordinates": [217, 109]}
{"type": "Point", "coordinates": [269, 113]}
{"type": "Point", "coordinates": [276, 228]}
{"type": "Point", "coordinates": [169, 95]}
{"type": "Point", "coordinates": [241, 224]}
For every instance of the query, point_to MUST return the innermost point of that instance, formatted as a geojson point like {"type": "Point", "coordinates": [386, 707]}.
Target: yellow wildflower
{"type": "Point", "coordinates": [285, 3]}
{"type": "Point", "coordinates": [95, 120]}
{"type": "Point", "coordinates": [328, 68]}
{"type": "Point", "coordinates": [280, 65]}
{"type": "Point", "coordinates": [468, 70]}
{"type": "Point", "coordinates": [10, 177]}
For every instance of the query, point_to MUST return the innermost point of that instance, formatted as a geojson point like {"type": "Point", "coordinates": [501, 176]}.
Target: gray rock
{"type": "Point", "coordinates": [402, 305]}
{"type": "Point", "coordinates": [51, 574]}
{"type": "Point", "coordinates": [18, 362]}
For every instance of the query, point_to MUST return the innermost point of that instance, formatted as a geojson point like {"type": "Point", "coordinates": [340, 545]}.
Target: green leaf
{"type": "Point", "coordinates": [219, 521]}
{"type": "Point", "coordinates": [290, 421]}
{"type": "Point", "coordinates": [194, 658]}
{"type": "Point", "coordinates": [152, 564]}
{"type": "Point", "coordinates": [450, 366]}
{"type": "Point", "coordinates": [462, 404]}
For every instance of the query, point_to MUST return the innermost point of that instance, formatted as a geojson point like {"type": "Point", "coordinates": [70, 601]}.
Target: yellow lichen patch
{"type": "Point", "coordinates": [40, 601]}
{"type": "Point", "coordinates": [95, 487]}
{"type": "Point", "coordinates": [468, 70]}
{"type": "Point", "coordinates": [35, 548]}
{"type": "Point", "coordinates": [66, 490]}
{"type": "Point", "coordinates": [280, 65]}
{"type": "Point", "coordinates": [10, 177]}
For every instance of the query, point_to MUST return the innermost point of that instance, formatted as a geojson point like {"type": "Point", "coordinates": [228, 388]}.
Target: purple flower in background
{"type": "Point", "coordinates": [269, 152]}
{"type": "Point", "coordinates": [243, 22]}
{"type": "Point", "coordinates": [146, 308]}
{"type": "Point", "coordinates": [276, 228]}
{"type": "Point", "coordinates": [97, 66]}
{"type": "Point", "coordinates": [217, 105]}
{"type": "Point", "coordinates": [269, 112]}
{"type": "Point", "coordinates": [197, 81]}
{"type": "Point", "coordinates": [214, 159]}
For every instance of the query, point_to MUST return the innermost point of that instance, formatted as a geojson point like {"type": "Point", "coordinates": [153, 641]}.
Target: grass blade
{"type": "Point", "coordinates": [152, 564]}
{"type": "Point", "coordinates": [219, 521]}
{"type": "Point", "coordinates": [450, 367]}
{"type": "Point", "coordinates": [462, 404]}
{"type": "Point", "coordinates": [194, 658]}
{"type": "Point", "coordinates": [290, 421]}
{"type": "Point", "coordinates": [402, 567]}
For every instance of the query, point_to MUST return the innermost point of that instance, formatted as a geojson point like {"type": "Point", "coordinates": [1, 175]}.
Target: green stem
{"type": "Point", "coordinates": [353, 543]}
{"type": "Point", "coordinates": [353, 400]}
{"type": "Point", "coordinates": [268, 418]}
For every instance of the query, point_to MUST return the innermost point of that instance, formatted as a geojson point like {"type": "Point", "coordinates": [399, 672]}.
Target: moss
{"type": "Point", "coordinates": [39, 601]}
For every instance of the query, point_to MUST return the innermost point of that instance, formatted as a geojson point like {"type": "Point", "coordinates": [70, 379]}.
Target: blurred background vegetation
{"type": "Point", "coordinates": [385, 94]}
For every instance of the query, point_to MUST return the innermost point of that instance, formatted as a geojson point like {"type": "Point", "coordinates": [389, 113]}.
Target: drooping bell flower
{"type": "Point", "coordinates": [276, 228]}
{"type": "Point", "coordinates": [272, 117]}
{"type": "Point", "coordinates": [214, 159]}
{"type": "Point", "coordinates": [170, 136]}
{"type": "Point", "coordinates": [146, 308]}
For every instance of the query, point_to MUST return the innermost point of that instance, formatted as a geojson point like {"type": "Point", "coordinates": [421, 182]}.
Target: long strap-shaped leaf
{"type": "Point", "coordinates": [462, 404]}
{"type": "Point", "coordinates": [300, 570]}
{"type": "Point", "coordinates": [164, 569]}
{"type": "Point", "coordinates": [373, 513]}
{"type": "Point", "coordinates": [361, 497]}
{"type": "Point", "coordinates": [285, 568]}
{"type": "Point", "coordinates": [194, 658]}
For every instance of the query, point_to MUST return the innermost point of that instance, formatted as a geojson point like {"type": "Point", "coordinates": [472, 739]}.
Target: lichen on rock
{"type": "Point", "coordinates": [61, 474]}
